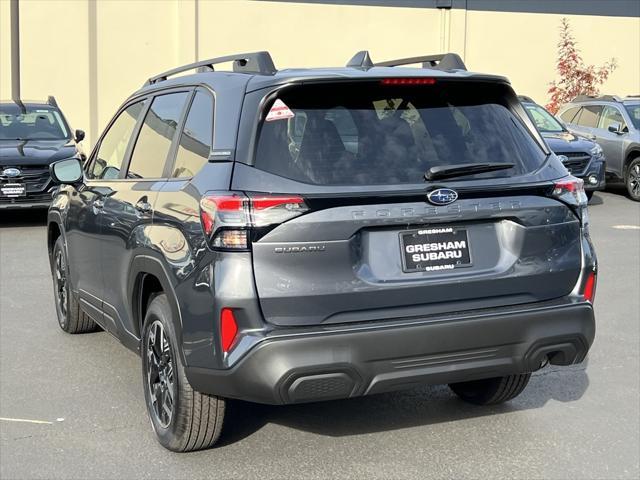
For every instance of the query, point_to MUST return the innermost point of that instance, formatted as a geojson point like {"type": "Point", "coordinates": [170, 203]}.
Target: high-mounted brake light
{"type": "Point", "coordinates": [590, 287]}
{"type": "Point", "coordinates": [228, 329]}
{"type": "Point", "coordinates": [408, 81]}
{"type": "Point", "coordinates": [226, 217]}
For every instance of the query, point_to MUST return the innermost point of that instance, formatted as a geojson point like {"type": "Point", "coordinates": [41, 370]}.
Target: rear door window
{"type": "Point", "coordinates": [196, 137]}
{"type": "Point", "coordinates": [570, 115]}
{"type": "Point", "coordinates": [109, 157]}
{"type": "Point", "coordinates": [372, 134]}
{"type": "Point", "coordinates": [154, 141]}
{"type": "Point", "coordinates": [589, 116]}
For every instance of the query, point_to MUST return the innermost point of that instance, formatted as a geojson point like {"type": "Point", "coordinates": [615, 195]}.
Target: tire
{"type": "Point", "coordinates": [632, 179]}
{"type": "Point", "coordinates": [491, 391]}
{"type": "Point", "coordinates": [589, 195]}
{"type": "Point", "coordinates": [70, 317]}
{"type": "Point", "coordinates": [193, 420]}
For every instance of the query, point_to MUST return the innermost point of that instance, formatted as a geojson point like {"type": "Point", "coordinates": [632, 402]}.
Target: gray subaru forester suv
{"type": "Point", "coordinates": [312, 234]}
{"type": "Point", "coordinates": [614, 123]}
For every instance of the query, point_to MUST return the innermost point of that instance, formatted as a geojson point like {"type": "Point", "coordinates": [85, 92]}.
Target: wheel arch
{"type": "Point", "coordinates": [631, 155]}
{"type": "Point", "coordinates": [147, 278]}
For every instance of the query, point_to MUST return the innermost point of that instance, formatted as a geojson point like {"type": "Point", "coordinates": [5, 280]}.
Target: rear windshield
{"type": "Point", "coordinates": [375, 134]}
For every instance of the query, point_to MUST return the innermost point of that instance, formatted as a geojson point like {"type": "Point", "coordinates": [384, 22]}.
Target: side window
{"type": "Point", "coordinates": [108, 159]}
{"type": "Point", "coordinates": [611, 115]}
{"type": "Point", "coordinates": [569, 115]}
{"type": "Point", "coordinates": [589, 116]}
{"type": "Point", "coordinates": [156, 135]}
{"type": "Point", "coordinates": [195, 141]}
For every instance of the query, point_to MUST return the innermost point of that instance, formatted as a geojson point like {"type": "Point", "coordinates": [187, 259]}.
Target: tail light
{"type": "Point", "coordinates": [589, 292]}
{"type": "Point", "coordinates": [570, 190]}
{"type": "Point", "coordinates": [228, 217]}
{"type": "Point", "coordinates": [228, 329]}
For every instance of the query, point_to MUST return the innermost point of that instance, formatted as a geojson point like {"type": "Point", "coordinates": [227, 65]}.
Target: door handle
{"type": "Point", "coordinates": [143, 206]}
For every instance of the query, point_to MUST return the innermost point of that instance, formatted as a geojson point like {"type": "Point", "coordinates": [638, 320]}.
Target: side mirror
{"type": "Point", "coordinates": [66, 172]}
{"type": "Point", "coordinates": [80, 135]}
{"type": "Point", "coordinates": [615, 127]}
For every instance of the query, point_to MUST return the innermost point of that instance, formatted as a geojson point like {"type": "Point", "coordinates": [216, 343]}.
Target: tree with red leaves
{"type": "Point", "coordinates": [576, 78]}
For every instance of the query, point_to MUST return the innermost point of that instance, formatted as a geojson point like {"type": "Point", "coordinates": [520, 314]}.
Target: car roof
{"type": "Point", "coordinates": [604, 99]}
{"type": "Point", "coordinates": [255, 79]}
{"type": "Point", "coordinates": [27, 103]}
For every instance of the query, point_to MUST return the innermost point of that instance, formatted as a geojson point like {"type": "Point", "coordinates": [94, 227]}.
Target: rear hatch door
{"type": "Point", "coordinates": [373, 246]}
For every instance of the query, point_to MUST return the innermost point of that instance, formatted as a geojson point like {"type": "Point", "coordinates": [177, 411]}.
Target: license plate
{"type": "Point", "coordinates": [13, 190]}
{"type": "Point", "coordinates": [435, 248]}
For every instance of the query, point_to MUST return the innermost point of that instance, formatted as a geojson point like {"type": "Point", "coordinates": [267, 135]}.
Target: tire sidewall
{"type": "Point", "coordinates": [160, 310]}
{"type": "Point", "coordinates": [60, 247]}
{"type": "Point", "coordinates": [634, 162]}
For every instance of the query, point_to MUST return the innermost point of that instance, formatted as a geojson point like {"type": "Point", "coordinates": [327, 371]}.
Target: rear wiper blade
{"type": "Point", "coordinates": [460, 170]}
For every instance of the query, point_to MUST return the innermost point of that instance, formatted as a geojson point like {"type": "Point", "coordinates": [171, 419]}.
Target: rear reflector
{"type": "Point", "coordinates": [590, 288]}
{"type": "Point", "coordinates": [408, 81]}
{"type": "Point", "coordinates": [228, 329]}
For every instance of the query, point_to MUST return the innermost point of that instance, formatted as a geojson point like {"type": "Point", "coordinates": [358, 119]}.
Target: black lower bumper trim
{"type": "Point", "coordinates": [350, 363]}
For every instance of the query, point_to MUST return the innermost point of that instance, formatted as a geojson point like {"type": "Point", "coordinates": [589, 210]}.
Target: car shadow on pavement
{"type": "Point", "coordinates": [23, 218]}
{"type": "Point", "coordinates": [423, 406]}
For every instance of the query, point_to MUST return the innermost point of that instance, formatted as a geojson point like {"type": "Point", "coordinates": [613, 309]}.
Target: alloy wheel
{"type": "Point", "coordinates": [160, 375]}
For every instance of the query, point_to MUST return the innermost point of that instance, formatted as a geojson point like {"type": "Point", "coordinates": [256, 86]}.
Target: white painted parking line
{"type": "Point", "coordinates": [23, 420]}
{"type": "Point", "coordinates": [626, 227]}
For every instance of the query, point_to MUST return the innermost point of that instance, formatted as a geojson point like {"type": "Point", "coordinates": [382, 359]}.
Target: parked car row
{"type": "Point", "coordinates": [582, 157]}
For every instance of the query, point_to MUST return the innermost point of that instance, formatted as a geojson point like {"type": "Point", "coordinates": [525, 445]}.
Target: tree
{"type": "Point", "coordinates": [576, 78]}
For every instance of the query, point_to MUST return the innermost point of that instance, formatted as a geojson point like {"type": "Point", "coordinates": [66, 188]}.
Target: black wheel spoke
{"type": "Point", "coordinates": [159, 373]}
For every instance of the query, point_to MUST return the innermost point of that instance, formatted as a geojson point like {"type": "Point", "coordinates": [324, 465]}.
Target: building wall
{"type": "Point", "coordinates": [92, 54]}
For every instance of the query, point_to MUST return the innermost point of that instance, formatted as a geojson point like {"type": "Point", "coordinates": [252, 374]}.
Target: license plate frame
{"type": "Point", "coordinates": [428, 236]}
{"type": "Point", "coordinates": [13, 190]}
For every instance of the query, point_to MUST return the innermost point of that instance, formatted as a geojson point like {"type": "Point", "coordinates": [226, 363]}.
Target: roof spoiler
{"type": "Point", "coordinates": [259, 63]}
{"type": "Point", "coordinates": [443, 61]}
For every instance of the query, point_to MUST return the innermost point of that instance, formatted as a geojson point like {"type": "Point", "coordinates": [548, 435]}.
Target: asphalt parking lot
{"type": "Point", "coordinates": [577, 422]}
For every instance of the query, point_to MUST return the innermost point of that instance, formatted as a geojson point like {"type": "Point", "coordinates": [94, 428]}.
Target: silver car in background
{"type": "Point", "coordinates": [614, 123]}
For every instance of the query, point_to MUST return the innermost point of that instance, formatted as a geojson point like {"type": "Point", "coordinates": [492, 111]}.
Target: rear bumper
{"type": "Point", "coordinates": [353, 361]}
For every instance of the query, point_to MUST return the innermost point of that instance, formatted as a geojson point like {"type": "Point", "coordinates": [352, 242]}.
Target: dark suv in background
{"type": "Point", "coordinates": [614, 123]}
{"type": "Point", "coordinates": [313, 234]}
{"type": "Point", "coordinates": [32, 136]}
{"type": "Point", "coordinates": [582, 157]}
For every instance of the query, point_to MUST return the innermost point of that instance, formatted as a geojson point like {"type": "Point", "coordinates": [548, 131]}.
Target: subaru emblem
{"type": "Point", "coordinates": [442, 196]}
{"type": "Point", "coordinates": [11, 172]}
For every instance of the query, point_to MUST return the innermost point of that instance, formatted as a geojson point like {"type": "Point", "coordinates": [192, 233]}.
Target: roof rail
{"type": "Point", "coordinates": [255, 62]}
{"type": "Point", "coordinates": [52, 101]}
{"type": "Point", "coordinates": [588, 98]}
{"type": "Point", "coordinates": [443, 61]}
